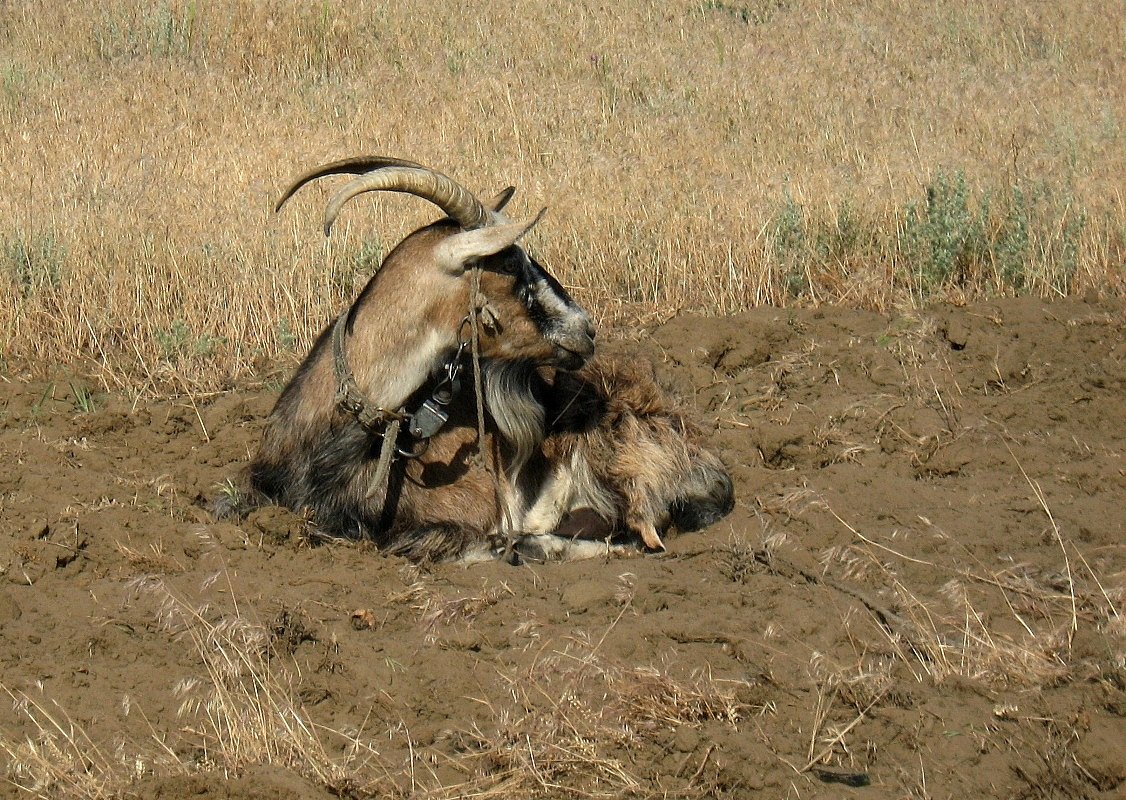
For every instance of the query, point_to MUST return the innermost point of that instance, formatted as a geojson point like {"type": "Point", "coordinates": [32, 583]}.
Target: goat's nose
{"type": "Point", "coordinates": [590, 329]}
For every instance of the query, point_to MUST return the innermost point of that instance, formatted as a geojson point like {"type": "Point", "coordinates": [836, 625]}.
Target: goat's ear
{"type": "Point", "coordinates": [460, 250]}
{"type": "Point", "coordinates": [501, 200]}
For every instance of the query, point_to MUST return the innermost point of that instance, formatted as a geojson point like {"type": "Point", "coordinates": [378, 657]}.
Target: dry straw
{"type": "Point", "coordinates": [697, 154]}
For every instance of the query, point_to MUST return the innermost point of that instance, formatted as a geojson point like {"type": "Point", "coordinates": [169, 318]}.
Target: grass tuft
{"type": "Point", "coordinates": [569, 717]}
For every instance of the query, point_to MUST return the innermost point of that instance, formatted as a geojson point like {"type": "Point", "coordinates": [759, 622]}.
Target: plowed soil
{"type": "Point", "coordinates": [919, 593]}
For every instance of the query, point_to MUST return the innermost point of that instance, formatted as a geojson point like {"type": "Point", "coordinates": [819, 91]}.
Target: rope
{"type": "Point", "coordinates": [493, 468]}
{"type": "Point", "coordinates": [475, 341]}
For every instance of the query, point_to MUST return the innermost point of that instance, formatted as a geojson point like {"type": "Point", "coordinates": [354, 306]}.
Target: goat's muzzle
{"type": "Point", "coordinates": [573, 349]}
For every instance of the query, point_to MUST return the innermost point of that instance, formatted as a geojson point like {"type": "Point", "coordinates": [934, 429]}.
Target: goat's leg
{"type": "Point", "coordinates": [544, 547]}
{"type": "Point", "coordinates": [552, 503]}
{"type": "Point", "coordinates": [644, 514]}
{"type": "Point", "coordinates": [646, 530]}
{"type": "Point", "coordinates": [545, 515]}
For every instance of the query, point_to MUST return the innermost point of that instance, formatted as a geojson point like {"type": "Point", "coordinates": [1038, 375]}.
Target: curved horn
{"type": "Point", "coordinates": [456, 201]}
{"type": "Point", "coordinates": [356, 165]}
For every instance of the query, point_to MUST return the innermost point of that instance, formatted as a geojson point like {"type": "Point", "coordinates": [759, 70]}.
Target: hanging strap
{"type": "Point", "coordinates": [386, 456]}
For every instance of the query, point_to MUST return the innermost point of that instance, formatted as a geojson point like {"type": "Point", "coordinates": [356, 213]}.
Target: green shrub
{"type": "Point", "coordinates": [944, 238]}
{"type": "Point", "coordinates": [34, 263]}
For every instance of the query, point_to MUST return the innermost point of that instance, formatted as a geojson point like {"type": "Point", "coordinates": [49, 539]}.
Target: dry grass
{"type": "Point", "coordinates": [245, 711]}
{"type": "Point", "coordinates": [1009, 627]}
{"type": "Point", "coordinates": [437, 613]}
{"type": "Point", "coordinates": [59, 760]}
{"type": "Point", "coordinates": [699, 154]}
{"type": "Point", "coordinates": [1015, 632]}
{"type": "Point", "coordinates": [241, 710]}
{"type": "Point", "coordinates": [556, 722]}
{"type": "Point", "coordinates": [568, 718]}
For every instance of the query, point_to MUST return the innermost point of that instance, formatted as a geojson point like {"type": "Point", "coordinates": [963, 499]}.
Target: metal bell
{"type": "Point", "coordinates": [428, 420]}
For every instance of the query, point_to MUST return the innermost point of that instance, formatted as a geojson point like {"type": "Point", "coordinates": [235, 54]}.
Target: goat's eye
{"type": "Point", "coordinates": [509, 265]}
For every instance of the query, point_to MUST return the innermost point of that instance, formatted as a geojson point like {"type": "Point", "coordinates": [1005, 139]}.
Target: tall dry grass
{"type": "Point", "coordinates": [705, 154]}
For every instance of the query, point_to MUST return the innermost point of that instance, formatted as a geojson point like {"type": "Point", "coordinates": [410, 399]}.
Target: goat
{"type": "Point", "coordinates": [331, 445]}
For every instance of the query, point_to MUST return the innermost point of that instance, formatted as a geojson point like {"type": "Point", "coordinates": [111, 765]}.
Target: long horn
{"type": "Point", "coordinates": [456, 201]}
{"type": "Point", "coordinates": [357, 165]}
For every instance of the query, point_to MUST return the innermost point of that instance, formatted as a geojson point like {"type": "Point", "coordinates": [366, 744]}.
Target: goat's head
{"type": "Point", "coordinates": [427, 279]}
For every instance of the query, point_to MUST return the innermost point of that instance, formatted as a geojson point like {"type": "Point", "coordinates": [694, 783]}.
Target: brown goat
{"type": "Point", "coordinates": [332, 443]}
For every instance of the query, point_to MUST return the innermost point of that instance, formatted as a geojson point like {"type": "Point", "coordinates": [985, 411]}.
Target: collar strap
{"type": "Point", "coordinates": [349, 398]}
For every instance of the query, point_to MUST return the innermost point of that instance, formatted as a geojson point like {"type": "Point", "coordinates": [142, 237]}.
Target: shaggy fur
{"type": "Point", "coordinates": [615, 464]}
{"type": "Point", "coordinates": [619, 449]}
{"type": "Point", "coordinates": [593, 462]}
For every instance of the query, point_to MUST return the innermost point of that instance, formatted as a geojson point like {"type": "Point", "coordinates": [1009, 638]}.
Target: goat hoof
{"type": "Point", "coordinates": [534, 548]}
{"type": "Point", "coordinates": [511, 555]}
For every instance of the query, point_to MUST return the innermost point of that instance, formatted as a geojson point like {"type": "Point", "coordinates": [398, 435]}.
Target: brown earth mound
{"type": "Point", "coordinates": [919, 593]}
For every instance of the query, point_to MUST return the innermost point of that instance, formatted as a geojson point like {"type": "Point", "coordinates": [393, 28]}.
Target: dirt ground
{"type": "Point", "coordinates": [919, 593]}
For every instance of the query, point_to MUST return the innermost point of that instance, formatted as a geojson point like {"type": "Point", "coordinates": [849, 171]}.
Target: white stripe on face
{"type": "Point", "coordinates": [562, 315]}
